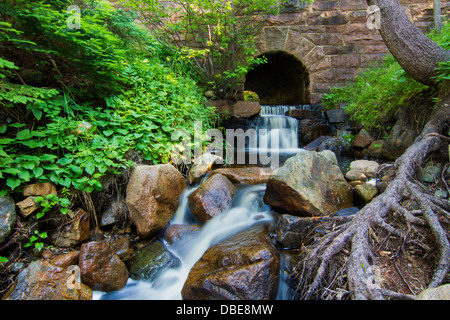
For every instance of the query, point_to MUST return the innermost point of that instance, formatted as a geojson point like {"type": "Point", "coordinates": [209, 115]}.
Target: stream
{"type": "Point", "coordinates": [248, 210]}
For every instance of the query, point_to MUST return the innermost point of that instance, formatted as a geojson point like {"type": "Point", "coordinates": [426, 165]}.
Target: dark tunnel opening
{"type": "Point", "coordinates": [282, 80]}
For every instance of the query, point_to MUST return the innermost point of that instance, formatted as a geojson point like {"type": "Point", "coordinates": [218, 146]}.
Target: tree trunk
{"type": "Point", "coordinates": [417, 54]}
{"type": "Point", "coordinates": [437, 16]}
{"type": "Point", "coordinates": [317, 272]}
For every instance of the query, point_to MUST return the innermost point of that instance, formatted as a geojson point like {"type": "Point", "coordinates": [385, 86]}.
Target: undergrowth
{"type": "Point", "coordinates": [128, 95]}
{"type": "Point", "coordinates": [375, 94]}
{"type": "Point", "coordinates": [76, 102]}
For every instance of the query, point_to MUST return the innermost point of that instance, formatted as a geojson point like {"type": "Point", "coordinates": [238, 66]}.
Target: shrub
{"type": "Point", "coordinates": [216, 37]}
{"type": "Point", "coordinates": [131, 96]}
{"type": "Point", "coordinates": [377, 93]}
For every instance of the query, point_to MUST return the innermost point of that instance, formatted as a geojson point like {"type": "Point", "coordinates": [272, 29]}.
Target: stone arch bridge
{"type": "Point", "coordinates": [311, 48]}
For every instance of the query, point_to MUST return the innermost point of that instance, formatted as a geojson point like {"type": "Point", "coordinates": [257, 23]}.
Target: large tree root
{"type": "Point", "coordinates": [348, 245]}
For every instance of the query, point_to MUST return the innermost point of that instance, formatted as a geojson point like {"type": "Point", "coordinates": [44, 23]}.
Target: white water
{"type": "Point", "coordinates": [277, 134]}
{"type": "Point", "coordinates": [180, 216]}
{"type": "Point", "coordinates": [248, 210]}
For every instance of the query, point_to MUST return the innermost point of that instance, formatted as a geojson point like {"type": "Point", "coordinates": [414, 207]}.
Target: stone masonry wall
{"type": "Point", "coordinates": [331, 38]}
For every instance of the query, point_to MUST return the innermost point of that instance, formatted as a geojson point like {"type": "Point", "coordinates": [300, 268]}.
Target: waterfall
{"type": "Point", "coordinates": [248, 210]}
{"type": "Point", "coordinates": [277, 134]}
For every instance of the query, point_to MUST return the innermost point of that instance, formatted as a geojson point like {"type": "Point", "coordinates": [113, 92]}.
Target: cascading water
{"type": "Point", "coordinates": [248, 210]}
{"type": "Point", "coordinates": [274, 124]}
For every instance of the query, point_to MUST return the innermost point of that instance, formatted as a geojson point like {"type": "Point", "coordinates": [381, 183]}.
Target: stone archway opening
{"type": "Point", "coordinates": [283, 80]}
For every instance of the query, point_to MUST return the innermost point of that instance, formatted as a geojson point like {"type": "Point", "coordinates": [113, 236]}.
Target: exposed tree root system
{"type": "Point", "coordinates": [394, 247]}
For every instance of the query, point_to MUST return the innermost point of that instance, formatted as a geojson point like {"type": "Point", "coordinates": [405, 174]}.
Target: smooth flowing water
{"type": "Point", "coordinates": [248, 210]}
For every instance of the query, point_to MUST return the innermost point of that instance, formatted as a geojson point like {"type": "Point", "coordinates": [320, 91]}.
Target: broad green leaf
{"type": "Point", "coordinates": [13, 171]}
{"type": "Point", "coordinates": [17, 125]}
{"type": "Point", "coordinates": [107, 133]}
{"type": "Point", "coordinates": [39, 246]}
{"type": "Point", "coordinates": [40, 215]}
{"type": "Point", "coordinates": [38, 172]}
{"type": "Point", "coordinates": [24, 134]}
{"type": "Point", "coordinates": [24, 175]}
{"type": "Point", "coordinates": [6, 141]}
{"type": "Point", "coordinates": [48, 157]}
{"type": "Point", "coordinates": [65, 161]}
{"type": "Point", "coordinates": [77, 170]}
{"type": "Point", "coordinates": [90, 169]}
{"type": "Point", "coordinates": [28, 165]}
{"type": "Point", "coordinates": [51, 167]}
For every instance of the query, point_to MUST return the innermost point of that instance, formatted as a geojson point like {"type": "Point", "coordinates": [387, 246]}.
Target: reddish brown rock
{"type": "Point", "coordinates": [239, 109]}
{"type": "Point", "coordinates": [303, 114]}
{"type": "Point", "coordinates": [362, 139]}
{"type": "Point", "coordinates": [176, 232]}
{"type": "Point", "coordinates": [202, 165]}
{"type": "Point", "coordinates": [101, 269]}
{"type": "Point", "coordinates": [74, 232]}
{"type": "Point", "coordinates": [27, 207]}
{"type": "Point", "coordinates": [244, 267]}
{"type": "Point", "coordinates": [248, 175]}
{"type": "Point", "coordinates": [44, 281]}
{"type": "Point", "coordinates": [153, 194]}
{"type": "Point", "coordinates": [39, 189]}
{"type": "Point", "coordinates": [65, 260]}
{"type": "Point", "coordinates": [212, 198]}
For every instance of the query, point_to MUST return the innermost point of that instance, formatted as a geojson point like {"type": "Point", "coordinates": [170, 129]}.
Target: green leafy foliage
{"type": "Point", "coordinates": [36, 240]}
{"type": "Point", "coordinates": [216, 37]}
{"type": "Point", "coordinates": [49, 201]}
{"type": "Point", "coordinates": [443, 39]}
{"type": "Point", "coordinates": [375, 94]}
{"type": "Point", "coordinates": [378, 92]}
{"type": "Point", "coordinates": [132, 96]}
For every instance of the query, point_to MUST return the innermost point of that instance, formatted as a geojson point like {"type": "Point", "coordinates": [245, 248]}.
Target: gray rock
{"type": "Point", "coordinates": [330, 156]}
{"type": "Point", "coordinates": [439, 293]}
{"type": "Point", "coordinates": [17, 267]}
{"type": "Point", "coordinates": [291, 231]}
{"type": "Point", "coordinates": [8, 217]}
{"type": "Point", "coordinates": [308, 184]}
{"type": "Point", "coordinates": [346, 212]}
{"type": "Point", "coordinates": [399, 139]}
{"type": "Point", "coordinates": [375, 149]}
{"type": "Point", "coordinates": [369, 168]}
{"type": "Point", "coordinates": [365, 192]}
{"type": "Point", "coordinates": [429, 174]}
{"type": "Point", "coordinates": [441, 194]}
{"type": "Point", "coordinates": [150, 261]}
{"type": "Point", "coordinates": [337, 144]}
{"type": "Point", "coordinates": [243, 267]}
{"type": "Point", "coordinates": [114, 213]}
{"type": "Point", "coordinates": [337, 116]}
